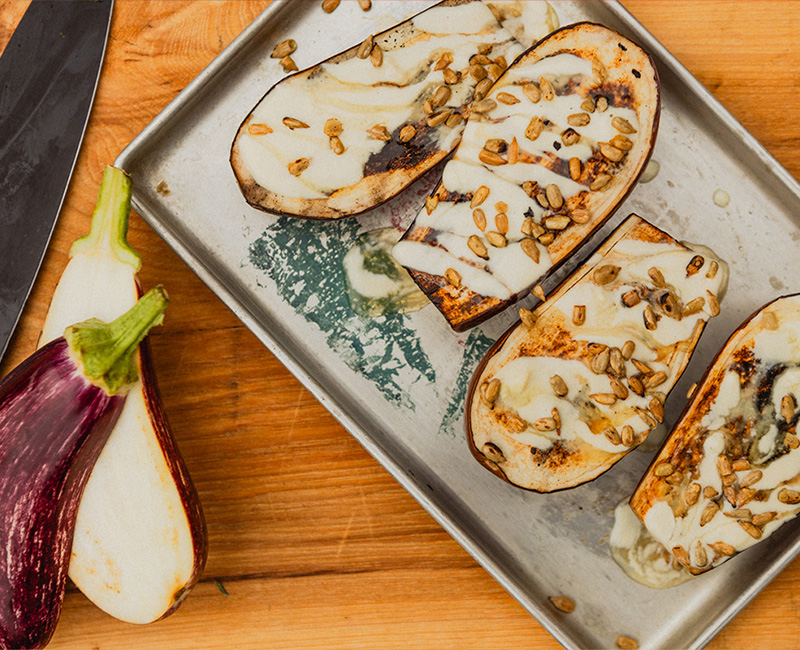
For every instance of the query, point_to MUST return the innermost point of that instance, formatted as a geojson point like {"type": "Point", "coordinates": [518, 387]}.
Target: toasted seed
{"type": "Point", "coordinates": [507, 98]}
{"type": "Point", "coordinates": [365, 5]}
{"type": "Point", "coordinates": [479, 196]}
{"type": "Point", "coordinates": [650, 321]}
{"type": "Point", "coordinates": [484, 106]}
{"type": "Point", "coordinates": [642, 367]}
{"type": "Point", "coordinates": [516, 422]}
{"type": "Point", "coordinates": [479, 59]}
{"type": "Point", "coordinates": [588, 104]}
{"type": "Point", "coordinates": [578, 119]}
{"type": "Point", "coordinates": [539, 292]}
{"type": "Point", "coordinates": [597, 348]}
{"type": "Point", "coordinates": [628, 349]}
{"type": "Point", "coordinates": [709, 512]}
{"type": "Point", "coordinates": [570, 137]}
{"type": "Point", "coordinates": [600, 362]}
{"type": "Point", "coordinates": [379, 132]}
{"type": "Point", "coordinates": [621, 142]}
{"type": "Point", "coordinates": [663, 469]}
{"type": "Point", "coordinates": [477, 247]}
{"type": "Point", "coordinates": [451, 76]}
{"type": "Point", "coordinates": [491, 391]}
{"type": "Point", "coordinates": [740, 465]}
{"type": "Point", "coordinates": [713, 304]}
{"type": "Point", "coordinates": [530, 248]}
{"type": "Point", "coordinates": [288, 64]}
{"type": "Point", "coordinates": [332, 127]}
{"type": "Point", "coordinates": [622, 125]}
{"type": "Point", "coordinates": [694, 306]}
{"type": "Point", "coordinates": [535, 128]}
{"type": "Point", "coordinates": [728, 479]}
{"type": "Point", "coordinates": [554, 197]}
{"type": "Point", "coordinates": [376, 56]}
{"type": "Point", "coordinates": [478, 72]}
{"type": "Point", "coordinates": [485, 48]}
{"type": "Point", "coordinates": [646, 417]}
{"type": "Point", "coordinates": [557, 223]}
{"type": "Point", "coordinates": [479, 217]}
{"type": "Point", "coordinates": [495, 145]}
{"type": "Point", "coordinates": [700, 555]}
{"type": "Point", "coordinates": [790, 497]}
{"type": "Point", "coordinates": [729, 492]}
{"type": "Point", "coordinates": [454, 120]}
{"type": "Point", "coordinates": [723, 548]}
{"type": "Point", "coordinates": [602, 275]}
{"type": "Point", "coordinates": [656, 276]}
{"type": "Point", "coordinates": [691, 390]}
{"type": "Point", "coordinates": [407, 133]}
{"type": "Point", "coordinates": [284, 48]}
{"type": "Point", "coordinates": [599, 70]}
{"type": "Point", "coordinates": [496, 239]}
{"type": "Point", "coordinates": [563, 603]}
{"type": "Point", "coordinates": [453, 277]}
{"type": "Point", "coordinates": [616, 363]}
{"type": "Point", "coordinates": [527, 317]}
{"type": "Point", "coordinates": [754, 531]}
{"type": "Point", "coordinates": [788, 407]}
{"type": "Point", "coordinates": [675, 478]}
{"type": "Point", "coordinates": [292, 123]}
{"type": "Point", "coordinates": [559, 385]}
{"type": "Point", "coordinates": [580, 216]}
{"type": "Point", "coordinates": [259, 129]}
{"type": "Point", "coordinates": [692, 494]}
{"type": "Point", "coordinates": [631, 298]}
{"type": "Point", "coordinates": [501, 223]}
{"type": "Point", "coordinates": [298, 166]}
{"type": "Point", "coordinates": [546, 89]}
{"type": "Point", "coordinates": [427, 107]}
{"type": "Point", "coordinates": [493, 452]}
{"type": "Point", "coordinates": [531, 91]}
{"type": "Point", "coordinates": [513, 152]}
{"type": "Point", "coordinates": [618, 388]}
{"type": "Point", "coordinates": [763, 518]}
{"type": "Point", "coordinates": [628, 437]}
{"type": "Point", "coordinates": [695, 264]}
{"type": "Point", "coordinates": [438, 118]}
{"type": "Point", "coordinates": [537, 230]}
{"type": "Point", "coordinates": [441, 96]}
{"type": "Point", "coordinates": [606, 399]}
{"type": "Point", "coordinates": [655, 379]}
{"type": "Point", "coordinates": [329, 5]}
{"type": "Point", "coordinates": [600, 181]}
{"type": "Point", "coordinates": [713, 267]}
{"type": "Point", "coordinates": [337, 145]}
{"type": "Point", "coordinates": [365, 48]}
{"type": "Point", "coordinates": [546, 239]}
{"type": "Point", "coordinates": [575, 168]}
{"type": "Point", "coordinates": [482, 88]}
{"type": "Point", "coordinates": [610, 151]}
{"type": "Point", "coordinates": [491, 158]}
{"type": "Point", "coordinates": [495, 70]}
{"type": "Point", "coordinates": [657, 409]}
{"type": "Point", "coordinates": [739, 513]}
{"type": "Point", "coordinates": [445, 60]}
{"type": "Point", "coordinates": [579, 315]}
{"type": "Point", "coordinates": [545, 424]}
{"type": "Point", "coordinates": [612, 435]}
{"type": "Point", "coordinates": [601, 104]}
{"type": "Point", "coordinates": [751, 478]}
{"type": "Point", "coordinates": [709, 492]}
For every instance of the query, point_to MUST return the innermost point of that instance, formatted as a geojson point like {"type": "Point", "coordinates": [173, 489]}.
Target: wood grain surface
{"type": "Point", "coordinates": [315, 544]}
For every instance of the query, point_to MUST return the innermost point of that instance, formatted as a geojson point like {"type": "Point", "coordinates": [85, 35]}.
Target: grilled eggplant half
{"type": "Point", "coordinates": [582, 379]}
{"type": "Point", "coordinates": [546, 158]}
{"type": "Point", "coordinates": [729, 473]}
{"type": "Point", "coordinates": [353, 131]}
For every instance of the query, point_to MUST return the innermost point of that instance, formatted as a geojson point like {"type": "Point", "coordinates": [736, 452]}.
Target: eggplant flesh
{"type": "Point", "coordinates": [353, 131]}
{"type": "Point", "coordinates": [728, 475]}
{"type": "Point", "coordinates": [582, 381]}
{"type": "Point", "coordinates": [545, 159]}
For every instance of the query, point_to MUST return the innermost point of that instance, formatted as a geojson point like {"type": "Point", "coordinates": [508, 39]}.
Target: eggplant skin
{"type": "Point", "coordinates": [53, 425]}
{"type": "Point", "coordinates": [712, 490]}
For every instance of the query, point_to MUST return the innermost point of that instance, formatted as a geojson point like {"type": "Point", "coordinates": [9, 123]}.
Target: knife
{"type": "Point", "coordinates": [48, 77]}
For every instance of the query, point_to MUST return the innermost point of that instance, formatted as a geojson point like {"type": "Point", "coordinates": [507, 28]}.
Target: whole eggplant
{"type": "Point", "coordinates": [57, 409]}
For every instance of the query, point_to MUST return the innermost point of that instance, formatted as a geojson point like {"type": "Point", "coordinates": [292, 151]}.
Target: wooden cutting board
{"type": "Point", "coordinates": [312, 544]}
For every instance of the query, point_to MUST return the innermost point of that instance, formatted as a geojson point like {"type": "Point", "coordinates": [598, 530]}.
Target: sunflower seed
{"type": "Point", "coordinates": [501, 223]}
{"type": "Point", "coordinates": [787, 496]}
{"type": "Point", "coordinates": [559, 386]}
{"type": "Point", "coordinates": [337, 145]}
{"type": "Point", "coordinates": [479, 217]}
{"type": "Point", "coordinates": [655, 379]}
{"type": "Point", "coordinates": [599, 70]}
{"type": "Point", "coordinates": [709, 512]}
{"type": "Point", "coordinates": [730, 494]}
{"type": "Point", "coordinates": [657, 277]}
{"type": "Point", "coordinates": [791, 440]}
{"type": "Point", "coordinates": [579, 315]}
{"type": "Point", "coordinates": [610, 152]}
{"type": "Point", "coordinates": [453, 277]}
{"type": "Point", "coordinates": [694, 306]}
{"type": "Point", "coordinates": [284, 48]}
{"type": "Point", "coordinates": [728, 480]}
{"type": "Point", "coordinates": [575, 168]}
{"type": "Point", "coordinates": [700, 555]}
{"type": "Point", "coordinates": [606, 399]}
{"type": "Point", "coordinates": [627, 643]}
{"type": "Point", "coordinates": [441, 96]}
{"type": "Point", "coordinates": [723, 548]}
{"type": "Point", "coordinates": [600, 362]}
{"type": "Point", "coordinates": [764, 518]}
{"type": "Point", "coordinates": [293, 123]}
{"type": "Point", "coordinates": [669, 303]}
{"type": "Point", "coordinates": [622, 125]}
{"type": "Point", "coordinates": [657, 409]}
{"type": "Point", "coordinates": [445, 60]}
{"type": "Point", "coordinates": [739, 513]}
{"type": "Point", "coordinates": [642, 367]}
{"type": "Point", "coordinates": [407, 133]}
{"type": "Point", "coordinates": [570, 137]}
{"type": "Point", "coordinates": [535, 128]}
{"type": "Point", "coordinates": [631, 298]}
{"type": "Point", "coordinates": [692, 494]}
{"type": "Point", "coordinates": [485, 48]}
{"type": "Point", "coordinates": [454, 120]}
{"type": "Point", "coordinates": [627, 349]}
{"type": "Point", "coordinates": [495, 145]}
{"type": "Point", "coordinates": [645, 417]}
{"type": "Point", "coordinates": [602, 275]}
{"type": "Point", "coordinates": [601, 104]}
{"type": "Point", "coordinates": [484, 106]}
{"type": "Point", "coordinates": [695, 264]}
{"type": "Point", "coordinates": [546, 239]}
{"type": "Point", "coordinates": [628, 437]}
{"type": "Point", "coordinates": [365, 5]}
{"type": "Point", "coordinates": [513, 152]}
{"type": "Point", "coordinates": [507, 98]}
{"type": "Point", "coordinates": [751, 478]}
{"type": "Point", "coordinates": [713, 304]}
{"type": "Point", "coordinates": [580, 216]}
{"type": "Point", "coordinates": [379, 132]}
{"type": "Point", "coordinates": [298, 166]}
{"type": "Point", "coordinates": [545, 424]}
{"type": "Point", "coordinates": [493, 452]}
{"type": "Point", "coordinates": [578, 119]}
{"type": "Point", "coordinates": [329, 5]}
{"type": "Point", "coordinates": [709, 492]}
{"type": "Point", "coordinates": [546, 89]}
{"type": "Point", "coordinates": [788, 407]}
{"type": "Point", "coordinates": [259, 129]}
{"type": "Point", "coordinates": [650, 321]}
{"type": "Point", "coordinates": [365, 48]}
{"type": "Point", "coordinates": [621, 142]}
{"type": "Point", "coordinates": [451, 76]}
{"type": "Point", "coordinates": [438, 118]}
{"type": "Point", "coordinates": [491, 158]}
{"type": "Point", "coordinates": [516, 422]}
{"type": "Point", "coordinates": [531, 91]}
{"type": "Point", "coordinates": [496, 239]}
{"type": "Point", "coordinates": [618, 388]}
{"type": "Point", "coordinates": [612, 435]}
{"type": "Point", "coordinates": [479, 196]}
{"type": "Point", "coordinates": [482, 88]}
{"type": "Point", "coordinates": [490, 391]}
{"type": "Point", "coordinates": [376, 56]}
{"type": "Point", "coordinates": [562, 603]}
{"type": "Point", "coordinates": [554, 197]}
{"type": "Point", "coordinates": [616, 363]}
{"type": "Point", "coordinates": [713, 267]}
{"type": "Point", "coordinates": [600, 181]}
{"type": "Point", "coordinates": [539, 292]}
{"type": "Point", "coordinates": [740, 465]}
{"type": "Point", "coordinates": [288, 64]}
{"type": "Point", "coordinates": [495, 71]}
{"type": "Point", "coordinates": [588, 105]}
{"type": "Point", "coordinates": [663, 469]}
{"type": "Point", "coordinates": [530, 248]}
{"type": "Point", "coordinates": [479, 59]}
{"type": "Point", "coordinates": [477, 247]}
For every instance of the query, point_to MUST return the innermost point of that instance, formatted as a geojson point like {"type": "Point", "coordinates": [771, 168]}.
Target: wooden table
{"type": "Point", "coordinates": [315, 543]}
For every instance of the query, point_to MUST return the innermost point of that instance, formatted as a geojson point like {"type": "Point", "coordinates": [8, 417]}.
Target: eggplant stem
{"type": "Point", "coordinates": [109, 229]}
{"type": "Point", "coordinates": [105, 351]}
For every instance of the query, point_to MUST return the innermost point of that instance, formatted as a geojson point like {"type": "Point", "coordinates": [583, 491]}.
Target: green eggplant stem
{"type": "Point", "coordinates": [109, 229]}
{"type": "Point", "coordinates": [105, 351]}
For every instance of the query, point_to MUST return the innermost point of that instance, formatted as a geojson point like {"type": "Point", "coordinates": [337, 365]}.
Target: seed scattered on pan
{"type": "Point", "coordinates": [329, 5]}
{"type": "Point", "coordinates": [606, 399]}
{"type": "Point", "coordinates": [579, 315]}
{"type": "Point", "coordinates": [694, 306]}
{"type": "Point", "coordinates": [627, 643]}
{"type": "Point", "coordinates": [575, 168]}
{"type": "Point", "coordinates": [655, 380]}
{"type": "Point", "coordinates": [501, 223]}
{"type": "Point", "coordinates": [764, 518]}
{"type": "Point", "coordinates": [376, 56]}
{"type": "Point", "coordinates": [610, 152]}
{"type": "Point", "coordinates": [601, 104]}
{"type": "Point", "coordinates": [477, 247]}
{"type": "Point", "coordinates": [527, 318]}
{"type": "Point", "coordinates": [546, 89]}
{"type": "Point", "coordinates": [479, 217]}
{"type": "Point", "coordinates": [513, 152]}
{"type": "Point", "coordinates": [740, 465]}
{"type": "Point", "coordinates": [491, 391]}
{"type": "Point", "coordinates": [791, 440]}
{"type": "Point", "coordinates": [407, 133]}
{"type": "Point", "coordinates": [545, 424]}
{"type": "Point", "coordinates": [516, 422]}
{"type": "Point", "coordinates": [337, 146]}
{"type": "Point", "coordinates": [496, 239]}
{"type": "Point", "coordinates": [622, 142]}
{"type": "Point", "coordinates": [631, 298]}
{"type": "Point", "coordinates": [365, 5]}
{"type": "Point", "coordinates": [600, 361]}
{"type": "Point", "coordinates": [657, 409]}
{"type": "Point", "coordinates": [539, 292]}
{"type": "Point", "coordinates": [580, 216]}
{"type": "Point", "coordinates": [645, 416]}
{"type": "Point", "coordinates": [482, 88]}
{"type": "Point", "coordinates": [445, 60]}
{"type": "Point", "coordinates": [451, 76]}
{"type": "Point", "coordinates": [709, 492]}
{"type": "Point", "coordinates": [788, 407]}
{"type": "Point", "coordinates": [332, 127]}
{"type": "Point", "coordinates": [531, 91]}
{"type": "Point", "coordinates": [657, 277]}
{"type": "Point", "coordinates": [491, 158]}
{"type": "Point", "coordinates": [293, 123]}
{"type": "Point", "coordinates": [563, 603]}
{"type": "Point", "coordinates": [713, 267]}
{"type": "Point", "coordinates": [559, 385]}
{"type": "Point", "coordinates": [649, 316]}
{"type": "Point", "coordinates": [713, 304]}
{"type": "Point", "coordinates": [700, 555]}
{"type": "Point", "coordinates": [663, 469]}
{"type": "Point", "coordinates": [284, 48]}
{"type": "Point", "coordinates": [751, 478]}
{"type": "Point", "coordinates": [259, 129]}
{"type": "Point", "coordinates": [507, 98]}
{"type": "Point", "coordinates": [602, 275]}
{"type": "Point", "coordinates": [570, 137]}
{"type": "Point", "coordinates": [365, 48]}
{"type": "Point", "coordinates": [453, 277]}
{"type": "Point", "coordinates": [723, 548]}
{"type": "Point", "coordinates": [579, 119]}
{"type": "Point", "coordinates": [612, 435]}
{"type": "Point", "coordinates": [441, 96]}
{"type": "Point", "coordinates": [484, 106]}
{"type": "Point", "coordinates": [692, 494]}
{"type": "Point", "coordinates": [493, 452]}
{"type": "Point", "coordinates": [695, 264]}
{"type": "Point", "coordinates": [739, 513]}
{"type": "Point", "coordinates": [379, 132]}
{"type": "Point", "coordinates": [554, 196]}
{"type": "Point", "coordinates": [600, 181]}
{"type": "Point", "coordinates": [709, 512]}
{"type": "Point", "coordinates": [298, 166]}
{"type": "Point", "coordinates": [535, 128]}
{"type": "Point", "coordinates": [627, 436]}
{"type": "Point", "coordinates": [479, 59]}
{"type": "Point", "coordinates": [495, 145]}
{"type": "Point", "coordinates": [622, 125]}
{"type": "Point", "coordinates": [454, 120]}
{"type": "Point", "coordinates": [438, 118]}
{"type": "Point", "coordinates": [618, 388]}
{"type": "Point", "coordinates": [754, 531]}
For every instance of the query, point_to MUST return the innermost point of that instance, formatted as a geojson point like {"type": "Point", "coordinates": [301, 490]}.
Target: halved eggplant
{"type": "Point", "coordinates": [728, 475]}
{"type": "Point", "coordinates": [353, 131]}
{"type": "Point", "coordinates": [582, 380]}
{"type": "Point", "coordinates": [546, 158]}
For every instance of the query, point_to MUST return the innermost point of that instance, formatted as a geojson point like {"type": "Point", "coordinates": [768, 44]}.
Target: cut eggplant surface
{"type": "Point", "coordinates": [728, 475]}
{"type": "Point", "coordinates": [353, 131]}
{"type": "Point", "coordinates": [582, 380]}
{"type": "Point", "coordinates": [546, 157]}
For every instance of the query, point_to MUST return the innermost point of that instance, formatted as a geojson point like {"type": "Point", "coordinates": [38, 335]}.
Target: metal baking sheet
{"type": "Point", "coordinates": [397, 383]}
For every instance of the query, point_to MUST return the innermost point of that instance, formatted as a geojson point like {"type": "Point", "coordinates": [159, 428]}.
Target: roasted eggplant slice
{"type": "Point", "coordinates": [546, 158]}
{"type": "Point", "coordinates": [582, 380]}
{"type": "Point", "coordinates": [729, 473]}
{"type": "Point", "coordinates": [353, 131]}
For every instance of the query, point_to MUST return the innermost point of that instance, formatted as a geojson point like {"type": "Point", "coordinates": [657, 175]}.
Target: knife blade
{"type": "Point", "coordinates": [48, 77]}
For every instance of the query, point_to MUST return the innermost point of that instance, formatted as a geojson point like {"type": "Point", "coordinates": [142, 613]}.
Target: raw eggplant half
{"type": "Point", "coordinates": [728, 475]}
{"type": "Point", "coordinates": [353, 131]}
{"type": "Point", "coordinates": [546, 157]}
{"type": "Point", "coordinates": [567, 392]}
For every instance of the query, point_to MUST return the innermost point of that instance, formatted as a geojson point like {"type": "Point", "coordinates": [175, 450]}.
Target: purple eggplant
{"type": "Point", "coordinates": [57, 409]}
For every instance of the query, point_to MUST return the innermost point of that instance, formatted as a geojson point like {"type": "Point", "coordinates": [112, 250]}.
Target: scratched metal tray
{"type": "Point", "coordinates": [397, 383]}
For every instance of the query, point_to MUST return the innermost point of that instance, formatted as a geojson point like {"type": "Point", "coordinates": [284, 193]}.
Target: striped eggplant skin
{"type": "Point", "coordinates": [53, 425]}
